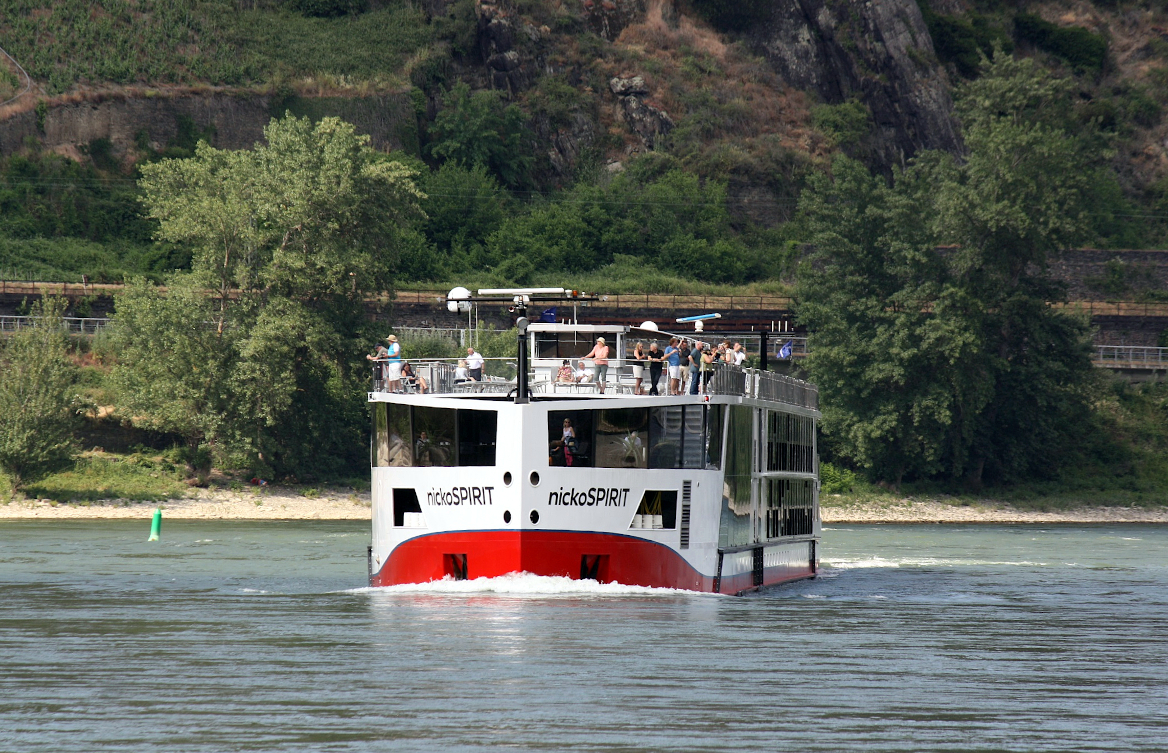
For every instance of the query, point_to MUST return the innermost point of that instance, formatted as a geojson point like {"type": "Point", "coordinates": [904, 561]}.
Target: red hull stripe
{"type": "Point", "coordinates": [608, 557]}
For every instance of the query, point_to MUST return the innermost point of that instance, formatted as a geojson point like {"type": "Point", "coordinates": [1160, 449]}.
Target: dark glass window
{"type": "Point", "coordinates": [622, 438]}
{"type": "Point", "coordinates": [789, 507]}
{"type": "Point", "coordinates": [735, 527]}
{"type": "Point", "coordinates": [477, 430]}
{"type": "Point", "coordinates": [434, 437]}
{"type": "Point", "coordinates": [406, 435]}
{"type": "Point", "coordinates": [790, 443]}
{"type": "Point", "coordinates": [578, 451]}
{"type": "Point", "coordinates": [715, 417]}
{"type": "Point", "coordinates": [391, 435]}
{"type": "Point", "coordinates": [665, 433]}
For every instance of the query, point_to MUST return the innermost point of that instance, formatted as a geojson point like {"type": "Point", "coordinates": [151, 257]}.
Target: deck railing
{"type": "Point", "coordinates": [1131, 357]}
{"type": "Point", "coordinates": [75, 325]}
{"type": "Point", "coordinates": [725, 379]}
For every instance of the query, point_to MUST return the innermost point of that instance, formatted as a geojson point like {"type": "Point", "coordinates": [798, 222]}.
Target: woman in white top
{"type": "Point", "coordinates": [460, 374]}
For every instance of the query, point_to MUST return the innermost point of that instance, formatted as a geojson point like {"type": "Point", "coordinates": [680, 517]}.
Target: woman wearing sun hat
{"type": "Point", "coordinates": [599, 356]}
{"type": "Point", "coordinates": [393, 364]}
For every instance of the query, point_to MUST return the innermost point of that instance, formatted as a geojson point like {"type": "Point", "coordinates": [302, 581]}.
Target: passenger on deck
{"type": "Point", "coordinates": [655, 360]}
{"type": "Point", "coordinates": [739, 354]}
{"type": "Point", "coordinates": [460, 373]}
{"type": "Point", "coordinates": [393, 365]}
{"type": "Point", "coordinates": [673, 360]}
{"type": "Point", "coordinates": [474, 364]}
{"type": "Point", "coordinates": [695, 367]}
{"type": "Point", "coordinates": [564, 375]}
{"type": "Point", "coordinates": [582, 373]}
{"type": "Point", "coordinates": [409, 376]}
{"type": "Point", "coordinates": [639, 359]}
{"type": "Point", "coordinates": [378, 357]}
{"type": "Point", "coordinates": [686, 354]}
{"type": "Point", "coordinates": [599, 356]}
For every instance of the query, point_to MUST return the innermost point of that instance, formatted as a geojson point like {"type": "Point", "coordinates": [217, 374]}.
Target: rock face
{"type": "Point", "coordinates": [876, 51]}
{"type": "Point", "coordinates": [607, 18]}
{"type": "Point", "coordinates": [647, 121]}
{"type": "Point", "coordinates": [497, 30]}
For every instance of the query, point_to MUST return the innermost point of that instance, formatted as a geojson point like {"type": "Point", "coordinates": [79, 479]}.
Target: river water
{"type": "Point", "coordinates": [241, 636]}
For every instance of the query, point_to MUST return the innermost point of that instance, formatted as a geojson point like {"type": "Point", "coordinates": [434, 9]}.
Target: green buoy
{"type": "Point", "coordinates": [156, 525]}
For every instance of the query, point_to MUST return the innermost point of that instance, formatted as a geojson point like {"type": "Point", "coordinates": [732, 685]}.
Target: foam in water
{"type": "Point", "coordinates": [875, 562]}
{"type": "Point", "coordinates": [527, 584]}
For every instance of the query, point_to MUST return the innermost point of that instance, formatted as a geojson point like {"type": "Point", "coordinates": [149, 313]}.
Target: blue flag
{"type": "Point", "coordinates": [785, 351]}
{"type": "Point", "coordinates": [548, 315]}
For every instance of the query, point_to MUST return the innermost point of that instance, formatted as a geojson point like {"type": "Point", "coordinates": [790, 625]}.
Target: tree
{"type": "Point", "coordinates": [476, 128]}
{"type": "Point", "coordinates": [291, 238]}
{"type": "Point", "coordinates": [935, 339]}
{"type": "Point", "coordinates": [37, 404]}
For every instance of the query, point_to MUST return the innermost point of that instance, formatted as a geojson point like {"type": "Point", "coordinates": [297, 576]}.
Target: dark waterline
{"type": "Point", "coordinates": [257, 636]}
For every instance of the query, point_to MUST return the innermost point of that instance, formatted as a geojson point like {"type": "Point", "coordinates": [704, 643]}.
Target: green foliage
{"type": "Point", "coordinates": [845, 124]}
{"type": "Point", "coordinates": [477, 128]}
{"type": "Point", "coordinates": [962, 41]}
{"type": "Point", "coordinates": [67, 259]}
{"type": "Point", "coordinates": [37, 410]}
{"type": "Point", "coordinates": [1082, 49]}
{"type": "Point", "coordinates": [463, 206]}
{"type": "Point", "coordinates": [955, 364]}
{"type": "Point", "coordinates": [733, 15]}
{"type": "Point", "coordinates": [304, 227]}
{"type": "Point", "coordinates": [103, 476]}
{"type": "Point", "coordinates": [71, 42]}
{"type": "Point", "coordinates": [329, 8]}
{"type": "Point", "coordinates": [835, 480]}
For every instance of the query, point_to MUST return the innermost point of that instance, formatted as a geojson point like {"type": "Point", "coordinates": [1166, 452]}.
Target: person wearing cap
{"type": "Point", "coordinates": [393, 364]}
{"type": "Point", "coordinates": [378, 357]}
{"type": "Point", "coordinates": [474, 364]}
{"type": "Point", "coordinates": [599, 356]}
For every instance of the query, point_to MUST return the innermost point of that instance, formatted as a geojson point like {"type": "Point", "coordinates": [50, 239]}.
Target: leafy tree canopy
{"type": "Point", "coordinates": [476, 128]}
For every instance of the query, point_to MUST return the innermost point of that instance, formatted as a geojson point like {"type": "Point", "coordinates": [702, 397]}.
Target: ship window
{"type": "Point", "coordinates": [477, 430]}
{"type": "Point", "coordinates": [404, 501]}
{"type": "Point", "coordinates": [790, 507]}
{"type": "Point", "coordinates": [434, 437]}
{"type": "Point", "coordinates": [391, 435]}
{"type": "Point", "coordinates": [790, 443]}
{"type": "Point", "coordinates": [665, 435]}
{"type": "Point", "coordinates": [715, 417]}
{"type": "Point", "coordinates": [579, 456]}
{"type": "Point", "coordinates": [663, 503]}
{"type": "Point", "coordinates": [735, 526]}
{"type": "Point", "coordinates": [622, 438]}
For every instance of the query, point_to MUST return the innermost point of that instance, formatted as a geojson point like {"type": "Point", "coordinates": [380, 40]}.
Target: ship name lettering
{"type": "Point", "coordinates": [594, 497]}
{"type": "Point", "coordinates": [461, 495]}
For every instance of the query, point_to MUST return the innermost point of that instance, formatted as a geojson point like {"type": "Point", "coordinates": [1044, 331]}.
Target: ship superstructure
{"type": "Point", "coordinates": [710, 492]}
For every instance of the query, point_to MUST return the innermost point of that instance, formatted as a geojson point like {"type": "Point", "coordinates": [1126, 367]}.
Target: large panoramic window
{"type": "Point", "coordinates": [790, 507]}
{"type": "Point", "coordinates": [735, 527]}
{"type": "Point", "coordinates": [406, 435]}
{"type": "Point", "coordinates": [672, 436]}
{"type": "Point", "coordinates": [790, 443]}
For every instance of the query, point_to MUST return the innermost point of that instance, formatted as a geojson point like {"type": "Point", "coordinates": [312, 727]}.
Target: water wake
{"type": "Point", "coordinates": [526, 584]}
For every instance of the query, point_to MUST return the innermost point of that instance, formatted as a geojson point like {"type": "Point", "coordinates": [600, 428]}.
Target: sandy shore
{"type": "Point", "coordinates": [269, 504]}
{"type": "Point", "coordinates": [288, 504]}
{"type": "Point", "coordinates": [931, 511]}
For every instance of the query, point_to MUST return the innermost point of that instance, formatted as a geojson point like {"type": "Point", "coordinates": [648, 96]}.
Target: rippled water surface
{"type": "Point", "coordinates": [257, 636]}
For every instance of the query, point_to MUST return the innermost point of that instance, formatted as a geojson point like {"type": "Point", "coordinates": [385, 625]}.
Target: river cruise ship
{"type": "Point", "coordinates": [714, 492]}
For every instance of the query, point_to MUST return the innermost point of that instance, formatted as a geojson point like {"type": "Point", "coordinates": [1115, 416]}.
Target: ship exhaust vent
{"type": "Point", "coordinates": [686, 487]}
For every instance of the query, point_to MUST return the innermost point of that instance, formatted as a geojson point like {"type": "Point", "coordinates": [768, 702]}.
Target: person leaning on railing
{"type": "Point", "coordinates": [378, 357]}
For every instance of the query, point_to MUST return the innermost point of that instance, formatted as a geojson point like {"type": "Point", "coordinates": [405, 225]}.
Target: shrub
{"type": "Point", "coordinates": [1082, 49]}
{"type": "Point", "coordinates": [834, 480]}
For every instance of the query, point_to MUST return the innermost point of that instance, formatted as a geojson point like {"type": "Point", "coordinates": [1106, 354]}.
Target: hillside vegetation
{"type": "Point", "coordinates": [827, 149]}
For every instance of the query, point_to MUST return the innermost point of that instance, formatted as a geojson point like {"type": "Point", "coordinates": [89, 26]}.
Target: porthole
{"type": "Point", "coordinates": [506, 516]}
{"type": "Point", "coordinates": [534, 516]}
{"type": "Point", "coordinates": [507, 478]}
{"type": "Point", "coordinates": [534, 478]}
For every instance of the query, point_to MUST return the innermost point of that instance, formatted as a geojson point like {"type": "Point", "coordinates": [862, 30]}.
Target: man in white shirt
{"type": "Point", "coordinates": [582, 374]}
{"type": "Point", "coordinates": [739, 354]}
{"type": "Point", "coordinates": [474, 364]}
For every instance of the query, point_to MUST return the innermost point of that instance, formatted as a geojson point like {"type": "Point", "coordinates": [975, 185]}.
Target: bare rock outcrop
{"type": "Point", "coordinates": [649, 122]}
{"type": "Point", "coordinates": [876, 51]}
{"type": "Point", "coordinates": [608, 18]}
